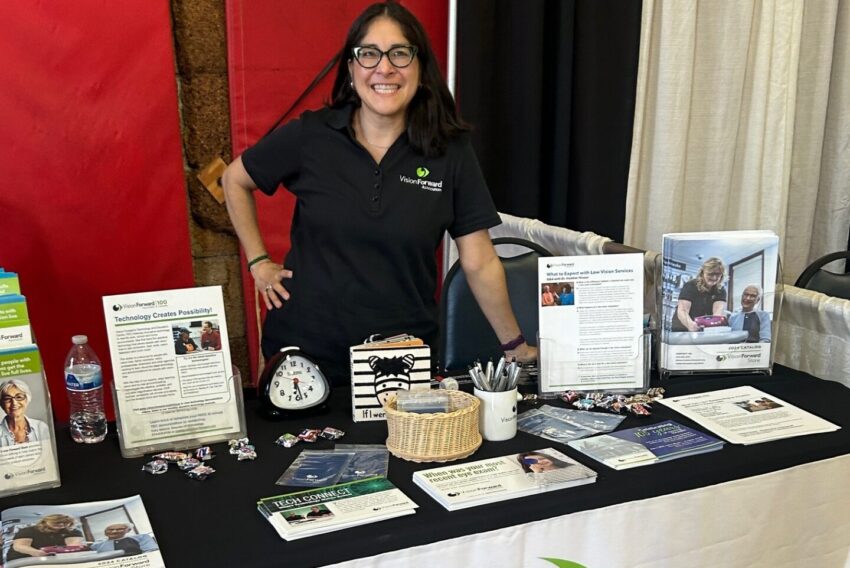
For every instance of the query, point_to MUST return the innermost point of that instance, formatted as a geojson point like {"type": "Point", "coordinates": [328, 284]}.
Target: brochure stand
{"type": "Point", "coordinates": [179, 428]}
{"type": "Point", "coordinates": [720, 345]}
{"type": "Point", "coordinates": [31, 465]}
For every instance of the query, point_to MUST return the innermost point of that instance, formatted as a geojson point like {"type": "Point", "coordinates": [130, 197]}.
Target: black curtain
{"type": "Point", "coordinates": [549, 87]}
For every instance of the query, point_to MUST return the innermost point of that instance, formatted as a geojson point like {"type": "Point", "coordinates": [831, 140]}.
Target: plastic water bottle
{"type": "Point", "coordinates": [84, 383]}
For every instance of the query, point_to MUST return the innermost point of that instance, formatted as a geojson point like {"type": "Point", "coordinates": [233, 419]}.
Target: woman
{"type": "Point", "coordinates": [547, 298]}
{"type": "Point", "coordinates": [378, 176]}
{"type": "Point", "coordinates": [703, 295]}
{"type": "Point", "coordinates": [536, 462]}
{"type": "Point", "coordinates": [17, 428]}
{"type": "Point", "coordinates": [51, 530]}
{"type": "Point", "coordinates": [566, 296]}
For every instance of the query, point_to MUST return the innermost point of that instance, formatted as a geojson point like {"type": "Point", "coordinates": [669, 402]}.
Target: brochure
{"type": "Point", "coordinates": [172, 371]}
{"type": "Point", "coordinates": [318, 511]}
{"type": "Point", "coordinates": [105, 533]}
{"type": "Point", "coordinates": [27, 442]}
{"type": "Point", "coordinates": [14, 322]}
{"type": "Point", "coordinates": [717, 300]}
{"type": "Point", "coordinates": [9, 283]}
{"type": "Point", "coordinates": [591, 322]}
{"type": "Point", "coordinates": [498, 479]}
{"type": "Point", "coordinates": [745, 415]}
{"type": "Point", "coordinates": [646, 445]}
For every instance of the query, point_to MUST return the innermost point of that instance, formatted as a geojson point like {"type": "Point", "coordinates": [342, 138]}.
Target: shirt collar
{"type": "Point", "coordinates": [340, 118]}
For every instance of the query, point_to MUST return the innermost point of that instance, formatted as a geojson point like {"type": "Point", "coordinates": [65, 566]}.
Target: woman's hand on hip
{"type": "Point", "coordinates": [267, 279]}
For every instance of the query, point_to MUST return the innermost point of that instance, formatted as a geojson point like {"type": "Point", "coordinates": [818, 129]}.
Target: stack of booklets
{"type": "Point", "coordinates": [647, 445]}
{"type": "Point", "coordinates": [336, 507]}
{"type": "Point", "coordinates": [506, 477]}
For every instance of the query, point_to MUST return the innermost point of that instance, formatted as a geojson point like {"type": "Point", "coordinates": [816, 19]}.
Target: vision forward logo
{"type": "Point", "coordinates": [421, 173]}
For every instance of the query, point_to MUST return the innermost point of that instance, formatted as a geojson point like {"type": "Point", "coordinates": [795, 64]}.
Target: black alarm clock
{"type": "Point", "coordinates": [293, 385]}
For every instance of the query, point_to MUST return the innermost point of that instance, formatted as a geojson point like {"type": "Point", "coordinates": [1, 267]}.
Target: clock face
{"type": "Point", "coordinates": [297, 383]}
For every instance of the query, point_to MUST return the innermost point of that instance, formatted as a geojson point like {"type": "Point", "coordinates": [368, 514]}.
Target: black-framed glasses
{"type": "Point", "coordinates": [400, 56]}
{"type": "Point", "coordinates": [18, 398]}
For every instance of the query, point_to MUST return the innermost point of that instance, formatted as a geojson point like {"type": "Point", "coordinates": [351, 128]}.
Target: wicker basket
{"type": "Point", "coordinates": [434, 437]}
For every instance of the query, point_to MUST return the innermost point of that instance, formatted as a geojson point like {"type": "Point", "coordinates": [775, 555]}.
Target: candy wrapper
{"type": "Point", "coordinates": [200, 473]}
{"type": "Point", "coordinates": [332, 433]}
{"type": "Point", "coordinates": [287, 440]}
{"type": "Point", "coordinates": [155, 467]}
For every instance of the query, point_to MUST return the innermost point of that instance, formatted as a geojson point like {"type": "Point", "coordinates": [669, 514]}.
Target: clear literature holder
{"type": "Point", "coordinates": [627, 373]}
{"type": "Point", "coordinates": [728, 347]}
{"type": "Point", "coordinates": [182, 424]}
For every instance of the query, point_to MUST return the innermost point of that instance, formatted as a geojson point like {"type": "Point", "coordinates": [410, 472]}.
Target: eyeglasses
{"type": "Point", "coordinates": [400, 56]}
{"type": "Point", "coordinates": [16, 398]}
{"type": "Point", "coordinates": [714, 274]}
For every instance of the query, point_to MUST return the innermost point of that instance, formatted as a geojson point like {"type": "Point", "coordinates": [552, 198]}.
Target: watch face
{"type": "Point", "coordinates": [297, 383]}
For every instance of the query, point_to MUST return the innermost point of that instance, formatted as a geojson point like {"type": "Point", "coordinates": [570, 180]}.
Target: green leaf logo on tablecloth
{"type": "Point", "coordinates": [422, 172]}
{"type": "Point", "coordinates": [561, 563]}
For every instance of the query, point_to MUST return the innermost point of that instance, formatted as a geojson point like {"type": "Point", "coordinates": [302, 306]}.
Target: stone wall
{"type": "Point", "coordinates": [201, 61]}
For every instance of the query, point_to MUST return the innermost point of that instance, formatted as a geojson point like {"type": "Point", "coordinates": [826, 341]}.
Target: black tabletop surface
{"type": "Point", "coordinates": [215, 522]}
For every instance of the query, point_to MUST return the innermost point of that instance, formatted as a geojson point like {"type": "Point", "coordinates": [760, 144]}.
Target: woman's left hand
{"type": "Point", "coordinates": [524, 353]}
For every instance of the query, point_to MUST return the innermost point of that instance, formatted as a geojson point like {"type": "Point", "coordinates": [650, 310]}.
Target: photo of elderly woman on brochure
{"type": "Point", "coordinates": [16, 427]}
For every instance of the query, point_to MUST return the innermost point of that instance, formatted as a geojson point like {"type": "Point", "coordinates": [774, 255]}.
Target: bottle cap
{"type": "Point", "coordinates": [79, 339]}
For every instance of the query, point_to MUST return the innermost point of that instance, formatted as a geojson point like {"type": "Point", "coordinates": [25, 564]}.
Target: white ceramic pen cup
{"type": "Point", "coordinates": [497, 414]}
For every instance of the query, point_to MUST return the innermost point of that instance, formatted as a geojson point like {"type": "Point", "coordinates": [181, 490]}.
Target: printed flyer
{"type": "Point", "coordinates": [172, 371]}
{"type": "Point", "coordinates": [591, 322]}
{"type": "Point", "coordinates": [27, 444]}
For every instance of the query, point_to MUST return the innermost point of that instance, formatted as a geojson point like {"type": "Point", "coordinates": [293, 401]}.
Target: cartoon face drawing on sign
{"type": "Point", "coordinates": [391, 374]}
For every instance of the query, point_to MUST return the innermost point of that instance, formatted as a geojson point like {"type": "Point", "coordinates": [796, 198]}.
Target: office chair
{"type": "Point", "coordinates": [829, 283]}
{"type": "Point", "coordinates": [466, 334]}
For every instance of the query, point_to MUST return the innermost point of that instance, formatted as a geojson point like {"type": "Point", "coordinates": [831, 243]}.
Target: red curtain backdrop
{"type": "Point", "coordinates": [93, 199]}
{"type": "Point", "coordinates": [275, 50]}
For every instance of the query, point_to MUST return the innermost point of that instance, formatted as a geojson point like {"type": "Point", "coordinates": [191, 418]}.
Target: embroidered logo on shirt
{"type": "Point", "coordinates": [421, 173]}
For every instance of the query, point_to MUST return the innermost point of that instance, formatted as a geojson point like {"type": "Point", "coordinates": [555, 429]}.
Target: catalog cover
{"type": "Point", "coordinates": [27, 445]}
{"type": "Point", "coordinates": [717, 300]}
{"type": "Point", "coordinates": [646, 445]}
{"type": "Point", "coordinates": [498, 479]}
{"type": "Point", "coordinates": [84, 535]}
{"type": "Point", "coordinates": [318, 511]}
{"type": "Point", "coordinates": [379, 368]}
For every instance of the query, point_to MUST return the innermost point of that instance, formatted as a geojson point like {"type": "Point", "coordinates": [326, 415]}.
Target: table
{"type": "Point", "coordinates": [670, 514]}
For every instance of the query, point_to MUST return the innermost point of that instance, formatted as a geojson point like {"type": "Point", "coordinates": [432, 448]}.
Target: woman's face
{"type": "Point", "coordinates": [14, 402]}
{"type": "Point", "coordinates": [712, 276]}
{"type": "Point", "coordinates": [543, 463]}
{"type": "Point", "coordinates": [57, 525]}
{"type": "Point", "coordinates": [385, 90]}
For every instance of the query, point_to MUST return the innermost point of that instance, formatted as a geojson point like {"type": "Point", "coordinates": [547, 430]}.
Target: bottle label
{"type": "Point", "coordinates": [89, 381]}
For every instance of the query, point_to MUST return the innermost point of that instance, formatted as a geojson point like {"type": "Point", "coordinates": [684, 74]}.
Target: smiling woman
{"type": "Point", "coordinates": [16, 427]}
{"type": "Point", "coordinates": [379, 175]}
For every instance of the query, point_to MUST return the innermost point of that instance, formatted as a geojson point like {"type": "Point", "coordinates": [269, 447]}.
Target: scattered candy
{"type": "Point", "coordinates": [638, 404]}
{"type": "Point", "coordinates": [246, 452]}
{"type": "Point", "coordinates": [201, 472]}
{"type": "Point", "coordinates": [155, 467]}
{"type": "Point", "coordinates": [287, 440]}
{"type": "Point", "coordinates": [204, 453]}
{"type": "Point", "coordinates": [332, 433]}
{"type": "Point", "coordinates": [172, 456]}
{"type": "Point", "coordinates": [188, 463]}
{"type": "Point", "coordinates": [309, 435]}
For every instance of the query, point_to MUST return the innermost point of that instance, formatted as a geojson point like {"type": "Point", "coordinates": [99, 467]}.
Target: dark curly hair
{"type": "Point", "coordinates": [432, 118]}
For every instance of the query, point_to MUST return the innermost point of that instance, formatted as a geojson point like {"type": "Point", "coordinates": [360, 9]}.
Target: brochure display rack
{"type": "Point", "coordinates": [718, 300]}
{"type": "Point", "coordinates": [591, 334]}
{"type": "Point", "coordinates": [174, 385]}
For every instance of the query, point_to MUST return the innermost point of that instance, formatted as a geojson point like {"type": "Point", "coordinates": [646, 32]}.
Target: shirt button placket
{"type": "Point", "coordinates": [376, 190]}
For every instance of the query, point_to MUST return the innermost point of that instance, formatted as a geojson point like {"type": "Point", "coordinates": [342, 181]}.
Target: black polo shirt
{"type": "Point", "coordinates": [364, 234]}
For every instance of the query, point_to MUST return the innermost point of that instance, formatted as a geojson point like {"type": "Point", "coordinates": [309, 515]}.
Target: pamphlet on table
{"type": "Point", "coordinates": [717, 301]}
{"type": "Point", "coordinates": [113, 533]}
{"type": "Point", "coordinates": [9, 283]}
{"type": "Point", "coordinates": [498, 479]}
{"type": "Point", "coordinates": [746, 415]}
{"type": "Point", "coordinates": [647, 445]}
{"type": "Point", "coordinates": [591, 322]}
{"type": "Point", "coordinates": [27, 443]}
{"type": "Point", "coordinates": [173, 376]}
{"type": "Point", "coordinates": [327, 509]}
